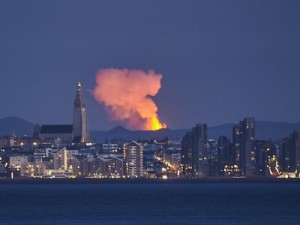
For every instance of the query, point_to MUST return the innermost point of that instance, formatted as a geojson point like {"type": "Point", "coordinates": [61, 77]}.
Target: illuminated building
{"type": "Point", "coordinates": [285, 155]}
{"type": "Point", "coordinates": [133, 156]}
{"type": "Point", "coordinates": [186, 152]}
{"type": "Point", "coordinates": [57, 173]}
{"type": "Point", "coordinates": [15, 162]}
{"type": "Point", "coordinates": [110, 148]}
{"type": "Point", "coordinates": [107, 168]}
{"type": "Point", "coordinates": [63, 160]}
{"type": "Point", "coordinates": [32, 169]}
{"type": "Point", "coordinates": [237, 144]}
{"type": "Point", "coordinates": [115, 168]}
{"type": "Point", "coordinates": [265, 151]}
{"type": "Point", "coordinates": [243, 142]}
{"type": "Point", "coordinates": [289, 155]}
{"type": "Point", "coordinates": [81, 132]}
{"type": "Point", "coordinates": [199, 149]}
{"type": "Point", "coordinates": [225, 156]}
{"type": "Point", "coordinates": [85, 166]}
{"type": "Point", "coordinates": [194, 150]}
{"type": "Point", "coordinates": [295, 146]}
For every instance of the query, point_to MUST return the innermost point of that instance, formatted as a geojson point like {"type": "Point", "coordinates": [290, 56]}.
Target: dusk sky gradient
{"type": "Point", "coordinates": [220, 60]}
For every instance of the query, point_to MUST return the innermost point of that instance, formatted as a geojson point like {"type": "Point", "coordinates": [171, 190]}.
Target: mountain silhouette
{"type": "Point", "coordinates": [265, 130]}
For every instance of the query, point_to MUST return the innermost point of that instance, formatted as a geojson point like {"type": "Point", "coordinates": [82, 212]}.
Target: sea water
{"type": "Point", "coordinates": [151, 203]}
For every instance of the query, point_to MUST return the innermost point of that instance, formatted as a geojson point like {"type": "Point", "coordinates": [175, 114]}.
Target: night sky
{"type": "Point", "coordinates": [220, 60]}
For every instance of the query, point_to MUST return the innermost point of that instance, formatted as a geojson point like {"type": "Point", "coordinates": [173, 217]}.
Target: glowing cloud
{"type": "Point", "coordinates": [126, 94]}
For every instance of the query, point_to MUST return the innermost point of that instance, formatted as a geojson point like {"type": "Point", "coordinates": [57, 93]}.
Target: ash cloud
{"type": "Point", "coordinates": [126, 94]}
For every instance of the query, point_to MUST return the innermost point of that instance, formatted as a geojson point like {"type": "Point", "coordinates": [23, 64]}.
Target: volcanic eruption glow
{"type": "Point", "coordinates": [126, 94]}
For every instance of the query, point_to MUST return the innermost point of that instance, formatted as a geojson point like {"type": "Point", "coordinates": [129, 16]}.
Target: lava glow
{"type": "Point", "coordinates": [126, 94]}
{"type": "Point", "coordinates": [156, 124]}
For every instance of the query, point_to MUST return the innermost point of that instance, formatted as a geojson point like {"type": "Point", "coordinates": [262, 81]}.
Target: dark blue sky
{"type": "Point", "coordinates": [220, 60]}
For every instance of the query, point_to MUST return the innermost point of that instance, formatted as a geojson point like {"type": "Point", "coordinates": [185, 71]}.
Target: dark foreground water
{"type": "Point", "coordinates": [139, 204]}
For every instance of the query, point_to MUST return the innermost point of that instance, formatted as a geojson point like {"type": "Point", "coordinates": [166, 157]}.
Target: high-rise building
{"type": "Point", "coordinates": [289, 156]}
{"type": "Point", "coordinates": [236, 144]}
{"type": "Point", "coordinates": [265, 153]}
{"type": "Point", "coordinates": [249, 145]}
{"type": "Point", "coordinates": [295, 141]}
{"type": "Point", "coordinates": [199, 149]}
{"type": "Point", "coordinates": [284, 155]}
{"type": "Point", "coordinates": [133, 156]}
{"type": "Point", "coordinates": [186, 152]}
{"type": "Point", "coordinates": [244, 145]}
{"type": "Point", "coordinates": [81, 132]}
{"type": "Point", "coordinates": [225, 158]}
{"type": "Point", "coordinates": [193, 150]}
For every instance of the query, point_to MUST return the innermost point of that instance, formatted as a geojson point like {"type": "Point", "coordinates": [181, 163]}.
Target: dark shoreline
{"type": "Point", "coordinates": [146, 181]}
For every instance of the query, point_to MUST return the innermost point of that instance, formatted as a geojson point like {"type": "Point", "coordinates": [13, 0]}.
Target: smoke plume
{"type": "Point", "coordinates": [127, 94]}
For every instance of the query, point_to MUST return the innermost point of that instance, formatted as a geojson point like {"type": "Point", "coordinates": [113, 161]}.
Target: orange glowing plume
{"type": "Point", "coordinates": [126, 94]}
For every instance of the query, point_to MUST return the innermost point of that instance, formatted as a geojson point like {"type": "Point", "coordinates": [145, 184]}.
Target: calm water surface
{"type": "Point", "coordinates": [141, 204]}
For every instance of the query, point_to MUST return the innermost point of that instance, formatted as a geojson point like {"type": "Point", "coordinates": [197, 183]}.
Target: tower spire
{"type": "Point", "coordinates": [80, 128]}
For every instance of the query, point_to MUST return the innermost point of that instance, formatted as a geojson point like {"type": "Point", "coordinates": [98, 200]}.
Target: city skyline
{"type": "Point", "coordinates": [150, 112]}
{"type": "Point", "coordinates": [220, 61]}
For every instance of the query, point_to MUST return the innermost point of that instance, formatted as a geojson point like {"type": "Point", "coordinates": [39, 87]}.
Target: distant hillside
{"type": "Point", "coordinates": [264, 130]}
{"type": "Point", "coordinates": [15, 125]}
{"type": "Point", "coordinates": [275, 130]}
{"type": "Point", "coordinates": [120, 132]}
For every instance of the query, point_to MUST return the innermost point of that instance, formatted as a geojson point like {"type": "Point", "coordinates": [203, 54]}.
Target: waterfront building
{"type": "Point", "coordinates": [133, 156]}
{"type": "Point", "coordinates": [186, 153]}
{"type": "Point", "coordinates": [63, 160]}
{"type": "Point", "coordinates": [199, 149]}
{"type": "Point", "coordinates": [285, 155]}
{"type": "Point", "coordinates": [15, 162]}
{"type": "Point", "coordinates": [265, 158]}
{"type": "Point", "coordinates": [32, 169]}
{"type": "Point", "coordinates": [115, 168]}
{"type": "Point", "coordinates": [194, 145]}
{"type": "Point", "coordinates": [237, 145]}
{"type": "Point", "coordinates": [58, 173]}
{"type": "Point", "coordinates": [244, 149]}
{"type": "Point", "coordinates": [295, 141]}
{"type": "Point", "coordinates": [225, 156]}
{"type": "Point", "coordinates": [107, 167]}
{"type": "Point", "coordinates": [289, 153]}
{"type": "Point", "coordinates": [85, 166]}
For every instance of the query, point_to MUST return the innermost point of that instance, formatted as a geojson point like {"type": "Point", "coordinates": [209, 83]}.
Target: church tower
{"type": "Point", "coordinates": [81, 132]}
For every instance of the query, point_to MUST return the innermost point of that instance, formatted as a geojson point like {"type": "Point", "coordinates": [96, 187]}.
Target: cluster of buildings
{"type": "Point", "coordinates": [67, 151]}
{"type": "Point", "coordinates": [243, 156]}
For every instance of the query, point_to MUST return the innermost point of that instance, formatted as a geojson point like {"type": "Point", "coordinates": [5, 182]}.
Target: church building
{"type": "Point", "coordinates": [67, 133]}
